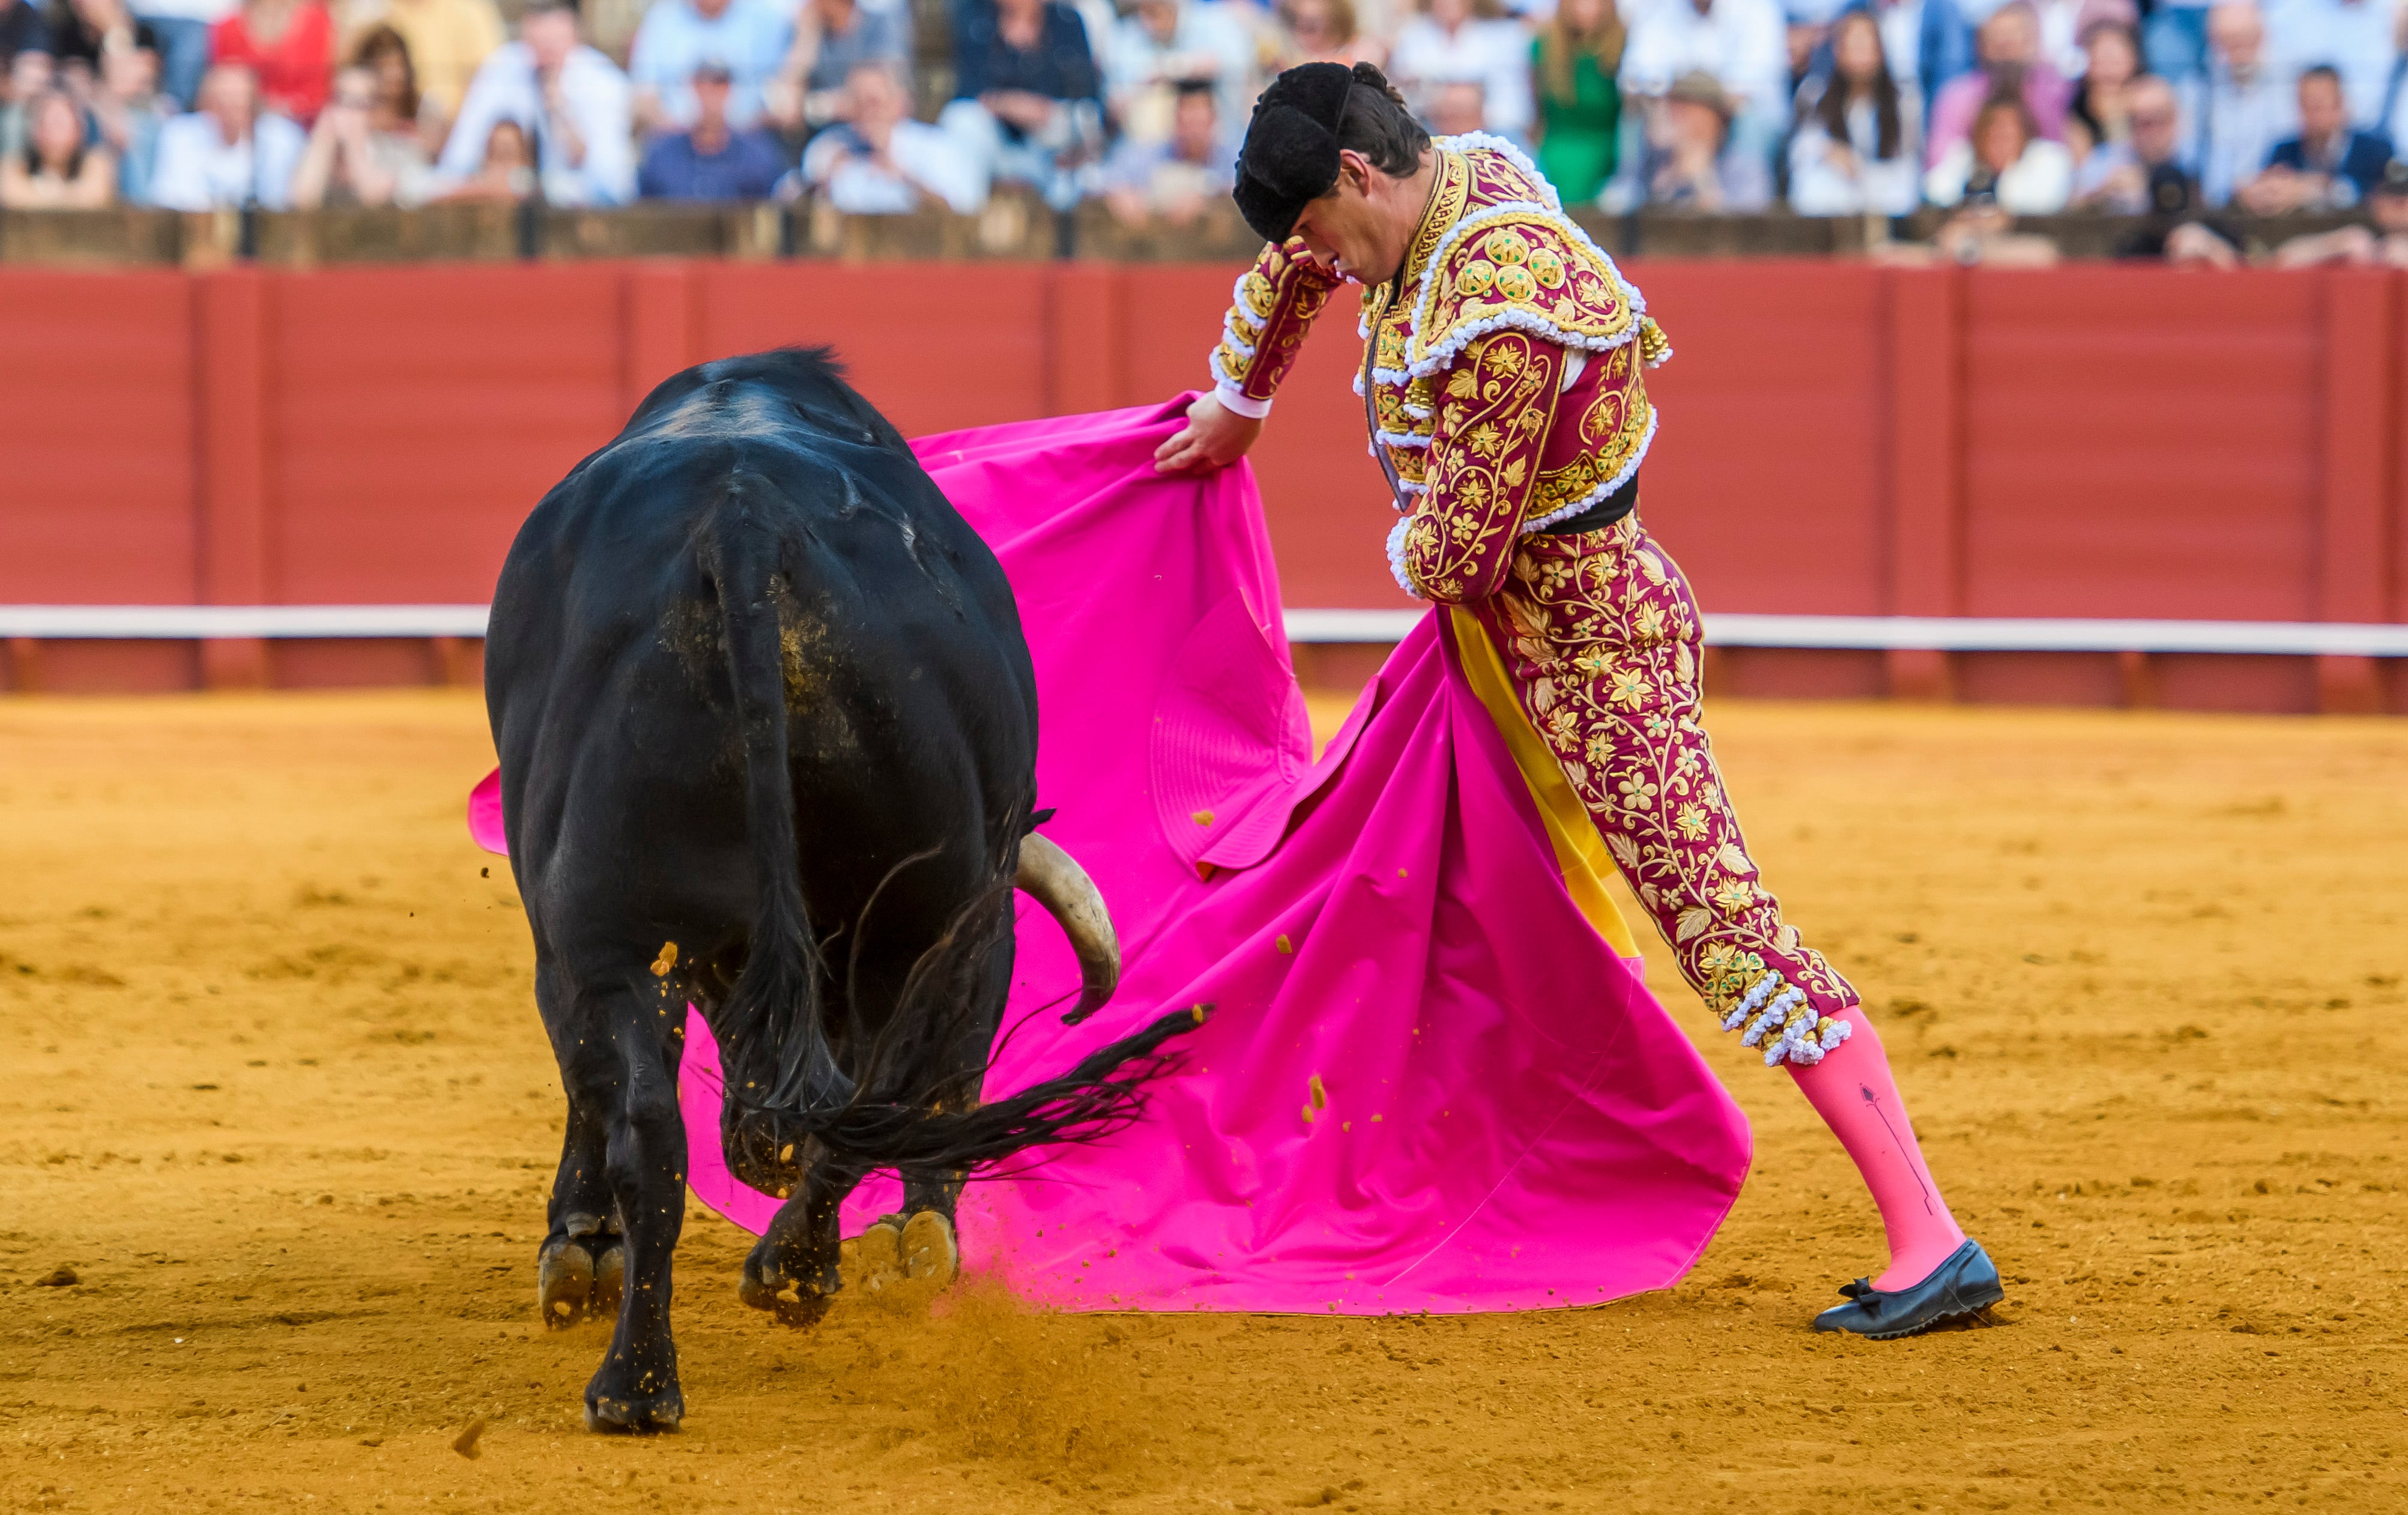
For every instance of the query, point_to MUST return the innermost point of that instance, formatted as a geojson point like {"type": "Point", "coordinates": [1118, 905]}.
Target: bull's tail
{"type": "Point", "coordinates": [912, 1105]}
{"type": "Point", "coordinates": [774, 1028]}
{"type": "Point", "coordinates": [1102, 1094]}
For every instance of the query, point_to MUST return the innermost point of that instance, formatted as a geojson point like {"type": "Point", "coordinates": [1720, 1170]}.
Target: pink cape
{"type": "Point", "coordinates": [1429, 1083]}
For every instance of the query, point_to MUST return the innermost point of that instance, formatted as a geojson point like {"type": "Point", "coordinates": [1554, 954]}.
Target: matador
{"type": "Point", "coordinates": [1504, 386]}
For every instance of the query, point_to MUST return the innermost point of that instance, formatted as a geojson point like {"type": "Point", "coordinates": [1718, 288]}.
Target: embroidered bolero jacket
{"type": "Point", "coordinates": [1506, 367]}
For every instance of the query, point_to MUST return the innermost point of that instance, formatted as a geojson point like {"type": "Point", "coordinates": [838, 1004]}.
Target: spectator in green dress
{"type": "Point", "coordinates": [1580, 105]}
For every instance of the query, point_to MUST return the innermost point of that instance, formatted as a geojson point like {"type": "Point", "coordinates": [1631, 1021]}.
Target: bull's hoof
{"type": "Point", "coordinates": [609, 1278]}
{"type": "Point", "coordinates": [931, 1253]}
{"type": "Point", "coordinates": [875, 1266]}
{"type": "Point", "coordinates": [789, 1303]}
{"type": "Point", "coordinates": [796, 1302]}
{"type": "Point", "coordinates": [579, 1278]}
{"type": "Point", "coordinates": [899, 1264]}
{"type": "Point", "coordinates": [637, 1415]}
{"type": "Point", "coordinates": [563, 1280]}
{"type": "Point", "coordinates": [873, 1260]}
{"type": "Point", "coordinates": [581, 1271]}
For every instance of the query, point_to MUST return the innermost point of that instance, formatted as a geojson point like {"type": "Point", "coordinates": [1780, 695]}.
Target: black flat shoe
{"type": "Point", "coordinates": [1966, 1284]}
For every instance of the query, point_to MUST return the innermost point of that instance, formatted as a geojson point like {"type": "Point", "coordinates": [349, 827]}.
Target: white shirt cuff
{"type": "Point", "coordinates": [1238, 404]}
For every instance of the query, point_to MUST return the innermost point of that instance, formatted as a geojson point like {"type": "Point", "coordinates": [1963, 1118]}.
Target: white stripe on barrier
{"type": "Point", "coordinates": [1945, 634]}
{"type": "Point", "coordinates": [1970, 634]}
{"type": "Point", "coordinates": [182, 621]}
{"type": "Point", "coordinates": [1351, 625]}
{"type": "Point", "coordinates": [1941, 634]}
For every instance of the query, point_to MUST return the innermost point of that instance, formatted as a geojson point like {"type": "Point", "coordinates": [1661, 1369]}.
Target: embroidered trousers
{"type": "Point", "coordinates": [1601, 636]}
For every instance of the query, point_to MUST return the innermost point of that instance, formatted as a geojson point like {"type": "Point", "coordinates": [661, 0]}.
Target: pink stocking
{"type": "Point", "coordinates": [1852, 1091]}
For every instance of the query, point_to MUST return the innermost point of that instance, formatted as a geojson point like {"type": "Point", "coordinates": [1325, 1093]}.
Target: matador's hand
{"type": "Point", "coordinates": [1213, 438]}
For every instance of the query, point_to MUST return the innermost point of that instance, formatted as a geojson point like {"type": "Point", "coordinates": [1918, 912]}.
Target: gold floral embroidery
{"type": "Point", "coordinates": [1600, 634]}
{"type": "Point", "coordinates": [1388, 411]}
{"type": "Point", "coordinates": [1526, 261]}
{"type": "Point", "coordinates": [1612, 429]}
{"type": "Point", "coordinates": [1256, 290]}
{"type": "Point", "coordinates": [1483, 453]}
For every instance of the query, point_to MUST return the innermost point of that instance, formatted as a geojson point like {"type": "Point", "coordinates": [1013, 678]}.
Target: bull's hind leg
{"type": "Point", "coordinates": [793, 1269]}
{"type": "Point", "coordinates": [582, 1264]}
{"type": "Point", "coordinates": [929, 1246]}
{"type": "Point", "coordinates": [623, 1077]}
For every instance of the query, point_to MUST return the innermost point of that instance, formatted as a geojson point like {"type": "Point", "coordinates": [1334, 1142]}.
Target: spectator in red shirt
{"type": "Point", "coordinates": [289, 44]}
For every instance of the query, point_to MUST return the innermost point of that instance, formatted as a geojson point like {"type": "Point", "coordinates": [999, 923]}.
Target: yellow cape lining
{"type": "Point", "coordinates": [1580, 851]}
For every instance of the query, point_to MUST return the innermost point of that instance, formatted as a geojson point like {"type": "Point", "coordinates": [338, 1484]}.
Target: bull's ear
{"type": "Point", "coordinates": [1037, 819]}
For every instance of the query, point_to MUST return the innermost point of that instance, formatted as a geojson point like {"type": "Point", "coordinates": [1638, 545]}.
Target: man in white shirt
{"type": "Point", "coordinates": [2247, 108]}
{"type": "Point", "coordinates": [750, 38]}
{"type": "Point", "coordinates": [1449, 44]}
{"type": "Point", "coordinates": [1173, 182]}
{"type": "Point", "coordinates": [226, 154]}
{"type": "Point", "coordinates": [1164, 43]}
{"type": "Point", "coordinates": [1741, 43]}
{"type": "Point", "coordinates": [880, 162]}
{"type": "Point", "coordinates": [2145, 174]}
{"type": "Point", "coordinates": [571, 101]}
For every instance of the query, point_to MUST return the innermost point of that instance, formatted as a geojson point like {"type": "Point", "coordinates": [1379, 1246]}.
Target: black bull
{"type": "Point", "coordinates": [767, 729]}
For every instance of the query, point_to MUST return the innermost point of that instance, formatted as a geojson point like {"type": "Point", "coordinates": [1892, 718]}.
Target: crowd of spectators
{"type": "Point", "coordinates": [2185, 110]}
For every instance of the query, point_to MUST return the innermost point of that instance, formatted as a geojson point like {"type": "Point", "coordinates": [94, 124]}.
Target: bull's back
{"type": "Point", "coordinates": [905, 672]}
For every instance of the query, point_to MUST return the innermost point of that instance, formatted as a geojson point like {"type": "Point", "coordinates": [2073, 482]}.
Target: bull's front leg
{"type": "Point", "coordinates": [793, 1269]}
{"type": "Point", "coordinates": [626, 1076]}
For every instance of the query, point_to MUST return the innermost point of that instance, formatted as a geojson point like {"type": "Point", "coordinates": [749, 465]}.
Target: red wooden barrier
{"type": "Point", "coordinates": [100, 458]}
{"type": "Point", "coordinates": [2093, 441]}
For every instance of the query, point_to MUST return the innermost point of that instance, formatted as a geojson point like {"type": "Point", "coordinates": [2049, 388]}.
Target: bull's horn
{"type": "Point", "coordinates": [1056, 881]}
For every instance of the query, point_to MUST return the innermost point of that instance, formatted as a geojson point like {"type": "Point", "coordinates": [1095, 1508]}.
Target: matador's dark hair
{"type": "Point", "coordinates": [1302, 121]}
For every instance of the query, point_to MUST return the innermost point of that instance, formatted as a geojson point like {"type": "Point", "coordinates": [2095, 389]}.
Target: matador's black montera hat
{"type": "Point", "coordinates": [1291, 151]}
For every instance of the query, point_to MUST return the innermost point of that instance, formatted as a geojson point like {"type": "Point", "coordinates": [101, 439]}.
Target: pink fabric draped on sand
{"type": "Point", "coordinates": [1429, 1083]}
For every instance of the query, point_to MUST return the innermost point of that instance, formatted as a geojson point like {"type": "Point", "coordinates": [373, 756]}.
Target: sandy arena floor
{"type": "Point", "coordinates": [279, 1099]}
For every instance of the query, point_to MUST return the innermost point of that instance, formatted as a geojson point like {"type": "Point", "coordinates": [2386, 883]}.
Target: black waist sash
{"type": "Point", "coordinates": [1605, 512]}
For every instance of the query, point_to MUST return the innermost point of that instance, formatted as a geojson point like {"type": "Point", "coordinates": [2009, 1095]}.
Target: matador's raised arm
{"type": "Point", "coordinates": [1272, 308]}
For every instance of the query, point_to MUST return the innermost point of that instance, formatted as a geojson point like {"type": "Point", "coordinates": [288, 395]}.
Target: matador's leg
{"type": "Point", "coordinates": [1602, 635]}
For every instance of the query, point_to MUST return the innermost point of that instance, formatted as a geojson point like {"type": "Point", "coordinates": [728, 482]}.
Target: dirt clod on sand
{"type": "Point", "coordinates": [465, 1442]}
{"type": "Point", "coordinates": [2141, 978]}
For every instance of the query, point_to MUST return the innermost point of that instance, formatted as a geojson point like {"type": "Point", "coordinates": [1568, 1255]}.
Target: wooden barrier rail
{"type": "Point", "coordinates": [2087, 443]}
{"type": "Point", "coordinates": [1014, 225]}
